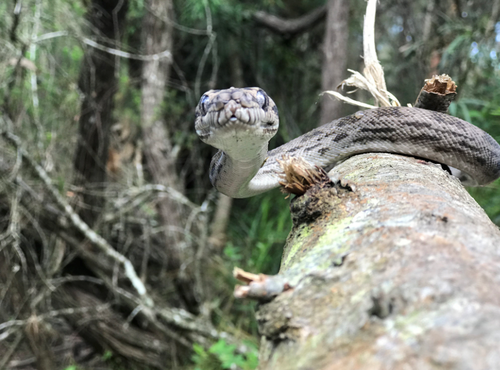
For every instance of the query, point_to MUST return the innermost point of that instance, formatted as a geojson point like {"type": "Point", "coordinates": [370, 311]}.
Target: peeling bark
{"type": "Point", "coordinates": [402, 273]}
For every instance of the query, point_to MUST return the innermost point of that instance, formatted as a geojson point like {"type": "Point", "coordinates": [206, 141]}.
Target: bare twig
{"type": "Point", "coordinates": [15, 21]}
{"type": "Point", "coordinates": [54, 313]}
{"type": "Point", "coordinates": [347, 100]}
{"type": "Point", "coordinates": [164, 54]}
{"type": "Point", "coordinates": [290, 26]}
{"type": "Point", "coordinates": [260, 287]}
{"type": "Point", "coordinates": [211, 41]}
{"type": "Point", "coordinates": [123, 54]}
{"type": "Point", "coordinates": [33, 76]}
{"type": "Point", "coordinates": [6, 357]}
{"type": "Point", "coordinates": [13, 230]}
{"type": "Point", "coordinates": [117, 37]}
{"type": "Point", "coordinates": [180, 27]}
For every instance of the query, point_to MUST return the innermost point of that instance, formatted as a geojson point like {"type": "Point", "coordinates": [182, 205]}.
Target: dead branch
{"type": "Point", "coordinates": [437, 94]}
{"type": "Point", "coordinates": [15, 21]}
{"type": "Point", "coordinates": [161, 317]}
{"type": "Point", "coordinates": [78, 223]}
{"type": "Point", "coordinates": [290, 26]}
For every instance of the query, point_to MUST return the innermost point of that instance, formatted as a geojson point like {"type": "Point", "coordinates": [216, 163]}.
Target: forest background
{"type": "Point", "coordinates": [115, 251]}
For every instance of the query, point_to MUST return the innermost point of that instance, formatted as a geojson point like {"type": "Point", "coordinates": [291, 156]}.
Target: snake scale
{"type": "Point", "coordinates": [241, 121]}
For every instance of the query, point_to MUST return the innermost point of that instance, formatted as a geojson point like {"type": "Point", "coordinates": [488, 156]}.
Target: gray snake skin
{"type": "Point", "coordinates": [241, 121]}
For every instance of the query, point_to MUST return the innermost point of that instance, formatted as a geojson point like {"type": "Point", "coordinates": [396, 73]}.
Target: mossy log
{"type": "Point", "coordinates": [403, 272]}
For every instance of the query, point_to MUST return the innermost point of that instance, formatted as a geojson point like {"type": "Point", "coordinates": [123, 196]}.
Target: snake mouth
{"type": "Point", "coordinates": [236, 119]}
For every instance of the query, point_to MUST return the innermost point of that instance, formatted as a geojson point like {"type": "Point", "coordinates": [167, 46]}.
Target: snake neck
{"type": "Point", "coordinates": [233, 177]}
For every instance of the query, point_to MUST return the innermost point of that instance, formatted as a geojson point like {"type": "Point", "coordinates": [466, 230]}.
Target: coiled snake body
{"type": "Point", "coordinates": [241, 121]}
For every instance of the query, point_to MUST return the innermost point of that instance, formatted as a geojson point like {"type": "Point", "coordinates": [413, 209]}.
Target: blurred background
{"type": "Point", "coordinates": [100, 94]}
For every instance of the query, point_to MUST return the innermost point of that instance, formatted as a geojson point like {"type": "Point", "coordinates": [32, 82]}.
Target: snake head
{"type": "Point", "coordinates": [238, 121]}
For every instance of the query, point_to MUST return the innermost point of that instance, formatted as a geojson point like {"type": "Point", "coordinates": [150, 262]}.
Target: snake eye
{"type": "Point", "coordinates": [262, 99]}
{"type": "Point", "coordinates": [203, 103]}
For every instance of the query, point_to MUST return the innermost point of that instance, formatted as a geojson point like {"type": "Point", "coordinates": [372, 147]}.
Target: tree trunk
{"type": "Point", "coordinates": [158, 148]}
{"type": "Point", "coordinates": [224, 204]}
{"type": "Point", "coordinates": [98, 84]}
{"type": "Point", "coordinates": [400, 273]}
{"type": "Point", "coordinates": [334, 56]}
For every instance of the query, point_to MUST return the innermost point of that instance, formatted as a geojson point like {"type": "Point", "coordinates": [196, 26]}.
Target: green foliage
{"type": "Point", "coordinates": [74, 52]}
{"type": "Point", "coordinates": [222, 355]}
{"type": "Point", "coordinates": [259, 227]}
{"type": "Point", "coordinates": [486, 115]}
{"type": "Point", "coordinates": [107, 355]}
{"type": "Point", "coordinates": [78, 8]}
{"type": "Point", "coordinates": [231, 11]}
{"type": "Point", "coordinates": [128, 98]}
{"type": "Point", "coordinates": [257, 232]}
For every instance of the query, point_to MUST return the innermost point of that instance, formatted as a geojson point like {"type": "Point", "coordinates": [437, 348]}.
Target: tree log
{"type": "Point", "coordinates": [400, 273]}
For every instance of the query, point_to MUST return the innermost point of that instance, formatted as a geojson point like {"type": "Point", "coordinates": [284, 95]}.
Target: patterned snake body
{"type": "Point", "coordinates": [240, 122]}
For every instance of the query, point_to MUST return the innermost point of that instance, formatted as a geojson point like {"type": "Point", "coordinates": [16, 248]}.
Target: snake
{"type": "Point", "coordinates": [241, 121]}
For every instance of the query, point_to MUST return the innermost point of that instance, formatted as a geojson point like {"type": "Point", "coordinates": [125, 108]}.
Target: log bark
{"type": "Point", "coordinates": [400, 273]}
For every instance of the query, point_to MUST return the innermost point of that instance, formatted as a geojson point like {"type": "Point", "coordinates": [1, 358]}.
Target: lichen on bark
{"type": "Point", "coordinates": [401, 272]}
